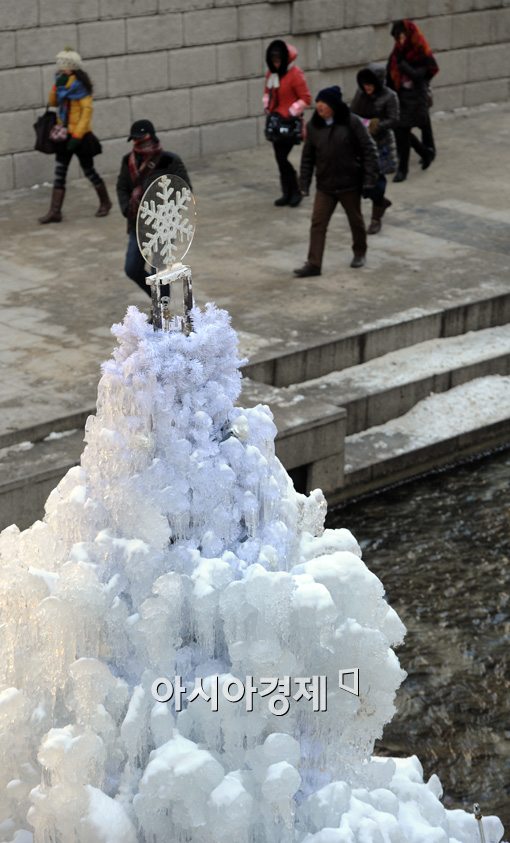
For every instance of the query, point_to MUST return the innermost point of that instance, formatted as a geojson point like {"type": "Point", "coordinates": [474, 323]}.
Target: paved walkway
{"type": "Point", "coordinates": [446, 239]}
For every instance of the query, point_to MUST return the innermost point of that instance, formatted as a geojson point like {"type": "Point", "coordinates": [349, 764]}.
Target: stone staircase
{"type": "Point", "coordinates": [354, 413]}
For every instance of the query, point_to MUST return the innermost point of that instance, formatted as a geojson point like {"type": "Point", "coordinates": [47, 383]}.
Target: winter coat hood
{"type": "Point", "coordinates": [341, 116]}
{"type": "Point", "coordinates": [374, 74]}
{"type": "Point", "coordinates": [287, 52]}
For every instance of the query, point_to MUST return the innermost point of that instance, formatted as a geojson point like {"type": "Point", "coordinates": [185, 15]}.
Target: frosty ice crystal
{"type": "Point", "coordinates": [180, 547]}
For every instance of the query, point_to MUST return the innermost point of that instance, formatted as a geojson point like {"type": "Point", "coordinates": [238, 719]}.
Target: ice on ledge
{"type": "Point", "coordinates": [179, 546]}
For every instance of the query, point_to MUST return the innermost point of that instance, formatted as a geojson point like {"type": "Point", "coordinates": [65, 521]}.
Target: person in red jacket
{"type": "Point", "coordinates": [286, 93]}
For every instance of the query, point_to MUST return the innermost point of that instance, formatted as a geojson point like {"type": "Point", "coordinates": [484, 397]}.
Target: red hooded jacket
{"type": "Point", "coordinates": [292, 95]}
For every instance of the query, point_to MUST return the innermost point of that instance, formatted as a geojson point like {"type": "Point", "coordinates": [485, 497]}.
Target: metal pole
{"type": "Point", "coordinates": [478, 817]}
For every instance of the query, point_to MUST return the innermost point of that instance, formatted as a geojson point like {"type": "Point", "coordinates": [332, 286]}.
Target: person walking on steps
{"type": "Point", "coordinates": [411, 66]}
{"type": "Point", "coordinates": [377, 106]}
{"type": "Point", "coordinates": [287, 95]}
{"type": "Point", "coordinates": [345, 160]}
{"type": "Point", "coordinates": [146, 162]}
{"type": "Point", "coordinates": [71, 94]}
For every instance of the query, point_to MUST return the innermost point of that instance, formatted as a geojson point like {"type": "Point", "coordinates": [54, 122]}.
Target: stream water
{"type": "Point", "coordinates": [441, 546]}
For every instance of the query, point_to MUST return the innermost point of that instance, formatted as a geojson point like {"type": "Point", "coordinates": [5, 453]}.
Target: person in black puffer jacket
{"type": "Point", "coordinates": [146, 161]}
{"type": "Point", "coordinates": [411, 66]}
{"type": "Point", "coordinates": [378, 108]}
{"type": "Point", "coordinates": [344, 157]}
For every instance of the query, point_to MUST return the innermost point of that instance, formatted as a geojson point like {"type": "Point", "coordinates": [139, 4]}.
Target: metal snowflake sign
{"type": "Point", "coordinates": [165, 224]}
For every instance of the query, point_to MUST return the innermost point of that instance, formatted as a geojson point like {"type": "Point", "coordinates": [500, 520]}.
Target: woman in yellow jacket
{"type": "Point", "coordinates": [72, 96]}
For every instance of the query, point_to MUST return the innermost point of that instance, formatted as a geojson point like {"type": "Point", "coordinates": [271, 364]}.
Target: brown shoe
{"type": "Point", "coordinates": [55, 212]}
{"type": "Point", "coordinates": [104, 200]}
{"type": "Point", "coordinates": [307, 270]}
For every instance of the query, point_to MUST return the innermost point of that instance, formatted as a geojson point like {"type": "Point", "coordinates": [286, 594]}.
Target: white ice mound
{"type": "Point", "coordinates": [179, 548]}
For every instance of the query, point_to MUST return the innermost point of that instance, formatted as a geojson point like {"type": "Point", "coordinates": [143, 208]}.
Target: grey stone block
{"type": "Point", "coordinates": [210, 27]}
{"type": "Point", "coordinates": [32, 168]}
{"type": "Point", "coordinates": [471, 28]}
{"type": "Point", "coordinates": [500, 24]}
{"type": "Point", "coordinates": [488, 62]}
{"type": "Point", "coordinates": [167, 109]}
{"type": "Point", "coordinates": [227, 137]}
{"type": "Point", "coordinates": [255, 91]}
{"type": "Point", "coordinates": [221, 3]}
{"type": "Point", "coordinates": [327, 474]}
{"type": "Point", "coordinates": [126, 8]}
{"type": "Point", "coordinates": [102, 38]}
{"type": "Point", "coordinates": [318, 79]}
{"type": "Point", "coordinates": [7, 49]}
{"type": "Point", "coordinates": [317, 15]}
{"type": "Point", "coordinates": [185, 142]}
{"type": "Point", "coordinates": [477, 93]}
{"type": "Point", "coordinates": [264, 20]}
{"type": "Point", "coordinates": [453, 67]}
{"type": "Point", "coordinates": [192, 66]}
{"type": "Point", "coordinates": [112, 118]}
{"type": "Point", "coordinates": [20, 88]}
{"type": "Point", "coordinates": [113, 153]}
{"type": "Point", "coordinates": [360, 12]}
{"type": "Point", "coordinates": [161, 32]}
{"type": "Point", "coordinates": [17, 132]}
{"type": "Point", "coordinates": [137, 74]}
{"type": "Point", "coordinates": [221, 102]}
{"type": "Point", "coordinates": [438, 31]}
{"type": "Point", "coordinates": [347, 47]}
{"type": "Point", "coordinates": [239, 60]}
{"type": "Point", "coordinates": [6, 172]}
{"type": "Point", "coordinates": [40, 46]}
{"type": "Point", "coordinates": [407, 9]}
{"type": "Point", "coordinates": [440, 7]}
{"type": "Point", "coordinates": [67, 11]}
{"type": "Point", "coordinates": [446, 99]}
{"type": "Point", "coordinates": [18, 14]}
{"type": "Point", "coordinates": [308, 51]}
{"type": "Point", "coordinates": [383, 42]}
{"type": "Point", "coordinates": [188, 5]}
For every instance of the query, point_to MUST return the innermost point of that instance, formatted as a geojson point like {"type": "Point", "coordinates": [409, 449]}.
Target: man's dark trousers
{"type": "Point", "coordinates": [323, 207]}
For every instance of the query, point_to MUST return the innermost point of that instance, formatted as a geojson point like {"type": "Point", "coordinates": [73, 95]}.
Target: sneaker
{"type": "Point", "coordinates": [307, 270]}
{"type": "Point", "coordinates": [357, 261]}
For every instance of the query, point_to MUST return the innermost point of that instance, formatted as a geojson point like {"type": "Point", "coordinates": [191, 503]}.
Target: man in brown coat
{"type": "Point", "coordinates": [345, 160]}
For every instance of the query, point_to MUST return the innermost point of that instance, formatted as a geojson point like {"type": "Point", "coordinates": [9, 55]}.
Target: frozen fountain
{"type": "Point", "coordinates": [187, 655]}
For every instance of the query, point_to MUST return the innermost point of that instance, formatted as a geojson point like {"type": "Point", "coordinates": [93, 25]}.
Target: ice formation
{"type": "Point", "coordinates": [179, 547]}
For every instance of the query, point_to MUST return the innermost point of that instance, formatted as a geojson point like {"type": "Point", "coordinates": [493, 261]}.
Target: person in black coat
{"type": "Point", "coordinates": [344, 157]}
{"type": "Point", "coordinates": [378, 108]}
{"type": "Point", "coordinates": [146, 162]}
{"type": "Point", "coordinates": [411, 66]}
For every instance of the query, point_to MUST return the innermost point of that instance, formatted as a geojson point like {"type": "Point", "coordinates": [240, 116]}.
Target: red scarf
{"type": "Point", "coordinates": [149, 150]}
{"type": "Point", "coordinates": [415, 50]}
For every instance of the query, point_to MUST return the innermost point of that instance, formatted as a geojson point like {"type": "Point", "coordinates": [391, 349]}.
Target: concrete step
{"type": "Point", "coordinates": [282, 366]}
{"type": "Point", "coordinates": [441, 430]}
{"type": "Point", "coordinates": [309, 443]}
{"type": "Point", "coordinates": [389, 386]}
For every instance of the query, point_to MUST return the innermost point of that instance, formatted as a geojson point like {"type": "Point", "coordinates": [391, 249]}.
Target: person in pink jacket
{"type": "Point", "coordinates": [285, 93]}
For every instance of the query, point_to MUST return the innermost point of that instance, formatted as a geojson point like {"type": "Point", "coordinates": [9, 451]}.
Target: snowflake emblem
{"type": "Point", "coordinates": [165, 223]}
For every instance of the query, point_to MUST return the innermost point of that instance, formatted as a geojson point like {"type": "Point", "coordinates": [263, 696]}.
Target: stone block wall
{"type": "Point", "coordinates": [195, 67]}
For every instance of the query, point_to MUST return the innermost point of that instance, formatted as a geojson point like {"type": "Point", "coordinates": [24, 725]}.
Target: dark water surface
{"type": "Point", "coordinates": [441, 546]}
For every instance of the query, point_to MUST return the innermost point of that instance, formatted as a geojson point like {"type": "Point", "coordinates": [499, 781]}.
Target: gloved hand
{"type": "Point", "coordinates": [73, 143]}
{"type": "Point", "coordinates": [367, 192]}
{"type": "Point", "coordinates": [373, 126]}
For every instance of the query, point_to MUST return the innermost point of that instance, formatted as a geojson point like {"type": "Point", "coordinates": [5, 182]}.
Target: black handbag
{"type": "Point", "coordinates": [90, 145]}
{"type": "Point", "coordinates": [283, 128]}
{"type": "Point", "coordinates": [43, 126]}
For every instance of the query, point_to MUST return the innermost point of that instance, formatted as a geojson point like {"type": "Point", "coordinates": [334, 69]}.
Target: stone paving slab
{"type": "Point", "coordinates": [62, 286]}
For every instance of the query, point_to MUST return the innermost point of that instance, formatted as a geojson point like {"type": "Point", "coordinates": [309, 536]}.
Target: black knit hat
{"type": "Point", "coordinates": [331, 96]}
{"type": "Point", "coordinates": [140, 128]}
